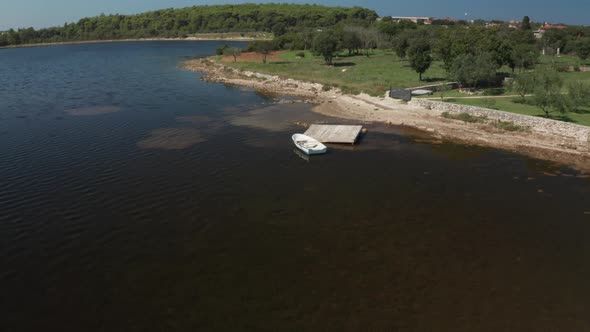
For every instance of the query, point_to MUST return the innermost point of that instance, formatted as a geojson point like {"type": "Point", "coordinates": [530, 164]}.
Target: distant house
{"type": "Point", "coordinates": [449, 19]}
{"type": "Point", "coordinates": [553, 26]}
{"type": "Point", "coordinates": [539, 33]}
{"type": "Point", "coordinates": [414, 19]}
{"type": "Point", "coordinates": [493, 24]}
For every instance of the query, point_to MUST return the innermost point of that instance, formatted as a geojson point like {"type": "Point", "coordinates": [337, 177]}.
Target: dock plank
{"type": "Point", "coordinates": [344, 134]}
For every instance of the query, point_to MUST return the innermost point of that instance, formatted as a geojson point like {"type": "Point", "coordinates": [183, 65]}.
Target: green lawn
{"type": "Point", "coordinates": [383, 69]}
{"type": "Point", "coordinates": [563, 59]}
{"type": "Point", "coordinates": [515, 105]}
{"type": "Point", "coordinates": [373, 75]}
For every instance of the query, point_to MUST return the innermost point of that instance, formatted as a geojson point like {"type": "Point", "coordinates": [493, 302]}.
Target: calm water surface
{"type": "Point", "coordinates": [134, 197]}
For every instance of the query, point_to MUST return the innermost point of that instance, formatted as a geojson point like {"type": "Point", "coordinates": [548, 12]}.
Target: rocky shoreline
{"type": "Point", "coordinates": [535, 141]}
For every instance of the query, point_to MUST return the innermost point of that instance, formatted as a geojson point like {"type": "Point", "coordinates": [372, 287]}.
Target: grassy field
{"type": "Point", "coordinates": [515, 105]}
{"type": "Point", "coordinates": [564, 59]}
{"type": "Point", "coordinates": [353, 74]}
{"type": "Point", "coordinates": [375, 74]}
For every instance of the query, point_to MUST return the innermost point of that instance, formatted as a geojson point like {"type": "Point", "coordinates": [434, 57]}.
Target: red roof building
{"type": "Point", "coordinates": [553, 26]}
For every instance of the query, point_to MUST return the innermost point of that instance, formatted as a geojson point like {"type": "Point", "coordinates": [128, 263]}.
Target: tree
{"type": "Point", "coordinates": [351, 41]}
{"type": "Point", "coordinates": [400, 45]}
{"type": "Point", "coordinates": [307, 35]}
{"type": "Point", "coordinates": [221, 49]}
{"type": "Point", "coordinates": [278, 18]}
{"type": "Point", "coordinates": [547, 92]}
{"type": "Point", "coordinates": [578, 95]}
{"type": "Point", "coordinates": [457, 41]}
{"type": "Point", "coordinates": [419, 53]}
{"type": "Point", "coordinates": [526, 23]}
{"type": "Point", "coordinates": [232, 51]}
{"type": "Point", "coordinates": [3, 39]}
{"type": "Point", "coordinates": [523, 84]}
{"type": "Point", "coordinates": [471, 69]}
{"type": "Point", "coordinates": [326, 44]}
{"type": "Point", "coordinates": [369, 38]}
{"type": "Point", "coordinates": [583, 48]}
{"type": "Point", "coordinates": [554, 39]}
{"type": "Point", "coordinates": [387, 26]}
{"type": "Point", "coordinates": [263, 47]}
{"type": "Point", "coordinates": [523, 56]}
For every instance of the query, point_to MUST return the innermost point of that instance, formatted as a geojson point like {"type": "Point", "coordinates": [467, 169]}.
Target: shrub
{"type": "Point", "coordinates": [562, 67]}
{"type": "Point", "coordinates": [465, 117]}
{"type": "Point", "coordinates": [300, 54]}
{"type": "Point", "coordinates": [471, 70]}
{"type": "Point", "coordinates": [221, 49]}
{"type": "Point", "coordinates": [508, 126]}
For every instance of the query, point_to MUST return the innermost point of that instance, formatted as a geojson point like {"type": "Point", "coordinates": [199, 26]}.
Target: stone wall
{"type": "Point", "coordinates": [537, 124]}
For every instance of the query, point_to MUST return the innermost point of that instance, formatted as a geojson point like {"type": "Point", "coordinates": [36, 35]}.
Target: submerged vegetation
{"type": "Point", "coordinates": [465, 117]}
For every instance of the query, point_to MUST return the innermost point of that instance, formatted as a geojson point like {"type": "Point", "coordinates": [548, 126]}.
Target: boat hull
{"type": "Point", "coordinates": [309, 145]}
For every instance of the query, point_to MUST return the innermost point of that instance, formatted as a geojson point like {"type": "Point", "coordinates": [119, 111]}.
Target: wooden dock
{"type": "Point", "coordinates": [334, 133]}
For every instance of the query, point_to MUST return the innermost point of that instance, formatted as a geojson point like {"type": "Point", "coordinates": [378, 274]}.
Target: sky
{"type": "Point", "coordinates": [46, 13]}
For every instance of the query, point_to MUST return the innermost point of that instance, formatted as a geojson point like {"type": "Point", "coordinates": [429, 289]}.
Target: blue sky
{"type": "Point", "coordinates": [44, 13]}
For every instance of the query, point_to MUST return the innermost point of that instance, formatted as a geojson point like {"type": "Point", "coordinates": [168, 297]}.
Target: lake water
{"type": "Point", "coordinates": [134, 197]}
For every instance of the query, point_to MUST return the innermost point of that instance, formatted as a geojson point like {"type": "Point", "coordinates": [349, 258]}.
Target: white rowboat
{"type": "Point", "coordinates": [308, 144]}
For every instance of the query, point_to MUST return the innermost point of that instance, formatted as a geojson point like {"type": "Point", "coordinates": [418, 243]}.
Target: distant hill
{"type": "Point", "coordinates": [276, 18]}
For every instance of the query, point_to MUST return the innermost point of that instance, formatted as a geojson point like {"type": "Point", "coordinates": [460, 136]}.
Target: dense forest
{"type": "Point", "coordinates": [276, 18]}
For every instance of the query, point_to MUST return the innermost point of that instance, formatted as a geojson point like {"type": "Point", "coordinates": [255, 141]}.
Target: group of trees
{"type": "Point", "coordinates": [276, 18]}
{"type": "Point", "coordinates": [571, 40]}
{"type": "Point", "coordinates": [546, 88]}
{"type": "Point", "coordinates": [470, 54]}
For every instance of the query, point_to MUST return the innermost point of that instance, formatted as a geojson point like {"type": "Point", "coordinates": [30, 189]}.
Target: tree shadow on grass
{"type": "Point", "coordinates": [344, 64]}
{"type": "Point", "coordinates": [342, 56]}
{"type": "Point", "coordinates": [522, 102]}
{"type": "Point", "coordinates": [495, 92]}
{"type": "Point", "coordinates": [433, 79]}
{"type": "Point", "coordinates": [560, 117]}
{"type": "Point", "coordinates": [581, 111]}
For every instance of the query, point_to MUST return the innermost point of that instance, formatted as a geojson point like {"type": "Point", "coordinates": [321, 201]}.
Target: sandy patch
{"type": "Point", "coordinates": [171, 139]}
{"type": "Point", "coordinates": [92, 110]}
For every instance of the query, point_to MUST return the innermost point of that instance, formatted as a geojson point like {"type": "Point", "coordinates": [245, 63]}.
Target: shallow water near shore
{"type": "Point", "coordinates": [135, 197]}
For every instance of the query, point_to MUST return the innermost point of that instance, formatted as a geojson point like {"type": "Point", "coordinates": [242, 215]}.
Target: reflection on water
{"type": "Point", "coordinates": [301, 155]}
